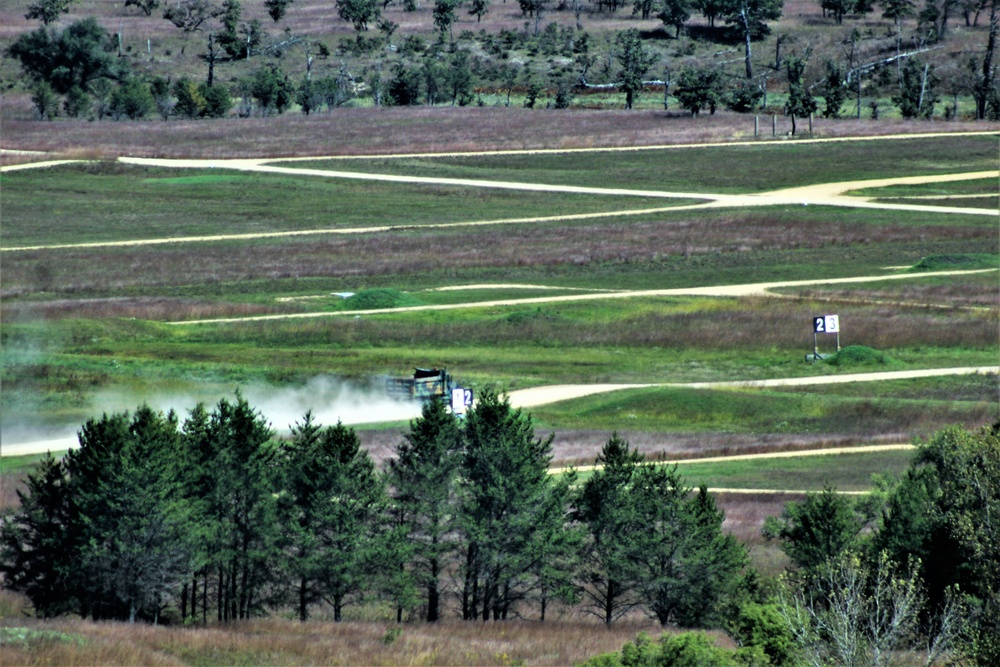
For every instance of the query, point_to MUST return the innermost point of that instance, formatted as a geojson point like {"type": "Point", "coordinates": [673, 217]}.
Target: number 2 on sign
{"type": "Point", "coordinates": [819, 324]}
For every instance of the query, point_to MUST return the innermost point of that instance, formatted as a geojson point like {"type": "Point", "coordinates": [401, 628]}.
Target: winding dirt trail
{"type": "Point", "coordinates": [823, 194]}
{"type": "Point", "coordinates": [750, 289]}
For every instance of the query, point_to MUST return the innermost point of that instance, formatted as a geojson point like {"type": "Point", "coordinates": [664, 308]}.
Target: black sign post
{"type": "Point", "coordinates": [829, 324]}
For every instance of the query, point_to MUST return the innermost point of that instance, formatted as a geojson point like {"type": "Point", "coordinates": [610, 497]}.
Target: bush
{"type": "Point", "coordinates": [379, 298]}
{"type": "Point", "coordinates": [132, 99]}
{"type": "Point", "coordinates": [859, 355]}
{"type": "Point", "coordinates": [689, 649]}
{"type": "Point", "coordinates": [959, 262]}
{"type": "Point", "coordinates": [762, 626]}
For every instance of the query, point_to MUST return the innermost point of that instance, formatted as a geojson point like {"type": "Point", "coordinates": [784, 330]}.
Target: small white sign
{"type": "Point", "coordinates": [826, 324]}
{"type": "Point", "coordinates": [461, 399]}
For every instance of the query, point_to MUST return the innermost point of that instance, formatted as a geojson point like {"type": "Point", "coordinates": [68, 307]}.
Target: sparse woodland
{"type": "Point", "coordinates": [185, 59]}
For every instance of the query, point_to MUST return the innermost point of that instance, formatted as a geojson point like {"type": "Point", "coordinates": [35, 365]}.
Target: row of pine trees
{"type": "Point", "coordinates": [213, 519]}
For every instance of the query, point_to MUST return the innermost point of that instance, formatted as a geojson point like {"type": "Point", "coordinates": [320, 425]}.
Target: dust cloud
{"type": "Point", "coordinates": [330, 400]}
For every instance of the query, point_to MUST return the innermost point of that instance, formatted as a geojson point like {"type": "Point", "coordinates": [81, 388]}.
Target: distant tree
{"type": "Point", "coordinates": [946, 512]}
{"type": "Point", "coordinates": [818, 530]}
{"type": "Point", "coordinates": [404, 86]}
{"type": "Point", "coordinates": [332, 498]}
{"type": "Point", "coordinates": [359, 13]}
{"type": "Point", "coordinates": [217, 100]}
{"type": "Point", "coordinates": [506, 511]}
{"type": "Point", "coordinates": [634, 60]}
{"type": "Point", "coordinates": [696, 89]}
{"type": "Point", "coordinates": [240, 523]}
{"type": "Point", "coordinates": [145, 6]}
{"type": "Point", "coordinates": [76, 103]}
{"type": "Point", "coordinates": [459, 78]}
{"type": "Point", "coordinates": [479, 9]}
{"type": "Point", "coordinates": [48, 11]}
{"type": "Point", "coordinates": [45, 100]}
{"type": "Point", "coordinates": [642, 7]}
{"type": "Point", "coordinates": [276, 9]}
{"type": "Point", "coordinates": [38, 543]}
{"type": "Point", "coordinates": [444, 15]}
{"type": "Point", "coordinates": [867, 613]}
{"type": "Point", "coordinates": [191, 15]}
{"type": "Point", "coordinates": [159, 87]}
{"type": "Point", "coordinates": [228, 37]}
{"type": "Point", "coordinates": [609, 576]}
{"type": "Point", "coordinates": [834, 90]}
{"type": "Point", "coordinates": [917, 90]}
{"type": "Point", "coordinates": [743, 97]}
{"type": "Point", "coordinates": [839, 8]}
{"type": "Point", "coordinates": [674, 13]}
{"type": "Point", "coordinates": [75, 57]}
{"type": "Point", "coordinates": [425, 483]}
{"type": "Point", "coordinates": [132, 99]}
{"type": "Point", "coordinates": [750, 18]}
{"type": "Point", "coordinates": [190, 101]}
{"type": "Point", "coordinates": [800, 103]}
{"type": "Point", "coordinates": [272, 89]}
{"type": "Point", "coordinates": [710, 9]}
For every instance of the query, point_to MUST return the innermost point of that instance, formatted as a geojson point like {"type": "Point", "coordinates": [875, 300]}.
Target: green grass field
{"type": "Point", "coordinates": [85, 329]}
{"type": "Point", "coordinates": [697, 169]}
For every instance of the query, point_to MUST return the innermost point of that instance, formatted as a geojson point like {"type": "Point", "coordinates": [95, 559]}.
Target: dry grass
{"type": "Point", "coordinates": [146, 308]}
{"type": "Point", "coordinates": [278, 642]}
{"type": "Point", "coordinates": [86, 271]}
{"type": "Point", "coordinates": [405, 130]}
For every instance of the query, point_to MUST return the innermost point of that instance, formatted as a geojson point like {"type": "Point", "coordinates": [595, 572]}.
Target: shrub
{"type": "Point", "coordinates": [379, 298]}
{"type": "Point", "coordinates": [859, 355]}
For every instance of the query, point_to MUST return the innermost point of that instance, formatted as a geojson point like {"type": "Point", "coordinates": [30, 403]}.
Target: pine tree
{"type": "Point", "coordinates": [424, 481]}
{"type": "Point", "coordinates": [333, 498]}
{"type": "Point", "coordinates": [504, 513]}
{"type": "Point", "coordinates": [37, 545]}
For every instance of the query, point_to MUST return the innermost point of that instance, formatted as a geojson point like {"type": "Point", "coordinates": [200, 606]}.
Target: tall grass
{"type": "Point", "coordinates": [278, 642]}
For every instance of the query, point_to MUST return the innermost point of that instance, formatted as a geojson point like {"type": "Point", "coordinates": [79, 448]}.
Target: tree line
{"type": "Point", "coordinates": [80, 71]}
{"type": "Point", "coordinates": [214, 519]}
{"type": "Point", "coordinates": [155, 519]}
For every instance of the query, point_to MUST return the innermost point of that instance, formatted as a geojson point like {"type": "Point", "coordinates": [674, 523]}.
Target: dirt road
{"type": "Point", "coordinates": [863, 449]}
{"type": "Point", "coordinates": [527, 398]}
{"type": "Point", "coordinates": [823, 194]}
{"type": "Point", "coordinates": [750, 289]}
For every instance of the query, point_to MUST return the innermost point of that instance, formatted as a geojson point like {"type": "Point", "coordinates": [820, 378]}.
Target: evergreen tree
{"type": "Point", "coordinates": [240, 468]}
{"type": "Point", "coordinates": [425, 486]}
{"type": "Point", "coordinates": [605, 507]}
{"type": "Point", "coordinates": [332, 500]}
{"type": "Point", "coordinates": [38, 545]}
{"type": "Point", "coordinates": [504, 514]}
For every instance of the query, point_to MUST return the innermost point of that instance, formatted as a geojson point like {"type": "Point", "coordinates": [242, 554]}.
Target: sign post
{"type": "Point", "coordinates": [461, 398]}
{"type": "Point", "coordinates": [829, 324]}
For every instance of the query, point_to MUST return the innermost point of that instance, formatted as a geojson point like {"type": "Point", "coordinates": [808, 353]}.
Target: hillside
{"type": "Point", "coordinates": [565, 55]}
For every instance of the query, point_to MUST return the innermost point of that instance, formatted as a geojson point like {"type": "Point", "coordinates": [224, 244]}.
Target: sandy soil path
{"type": "Point", "coordinates": [863, 449]}
{"type": "Point", "coordinates": [535, 396]}
{"type": "Point", "coordinates": [750, 289]}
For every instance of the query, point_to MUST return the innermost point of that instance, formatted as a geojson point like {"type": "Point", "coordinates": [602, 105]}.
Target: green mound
{"type": "Point", "coordinates": [860, 355]}
{"type": "Point", "coordinates": [959, 262]}
{"type": "Point", "coordinates": [379, 298]}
